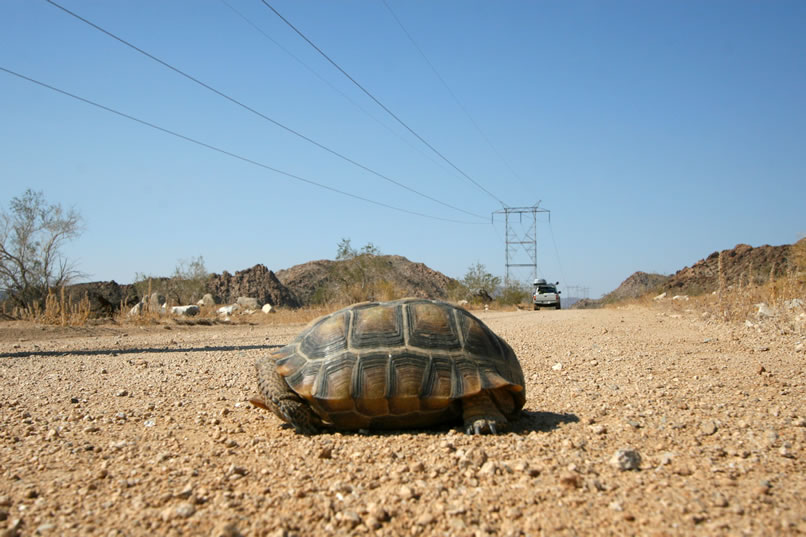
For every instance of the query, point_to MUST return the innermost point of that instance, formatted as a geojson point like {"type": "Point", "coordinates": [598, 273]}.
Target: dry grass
{"type": "Point", "coordinates": [740, 303]}
{"type": "Point", "coordinates": [58, 310]}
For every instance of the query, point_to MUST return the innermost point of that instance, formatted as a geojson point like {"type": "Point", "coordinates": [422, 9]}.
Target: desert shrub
{"type": "Point", "coordinates": [358, 277]}
{"type": "Point", "coordinates": [32, 235]}
{"type": "Point", "coordinates": [186, 285]}
{"type": "Point", "coordinates": [514, 293]}
{"type": "Point", "coordinates": [480, 284]}
{"type": "Point", "coordinates": [457, 291]}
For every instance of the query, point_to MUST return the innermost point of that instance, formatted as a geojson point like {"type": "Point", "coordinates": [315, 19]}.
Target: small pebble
{"type": "Point", "coordinates": [406, 492]}
{"type": "Point", "coordinates": [571, 480]}
{"type": "Point", "coordinates": [708, 427]}
{"type": "Point", "coordinates": [424, 519]}
{"type": "Point", "coordinates": [626, 459]}
{"type": "Point", "coordinates": [185, 510]}
{"type": "Point", "coordinates": [230, 530]}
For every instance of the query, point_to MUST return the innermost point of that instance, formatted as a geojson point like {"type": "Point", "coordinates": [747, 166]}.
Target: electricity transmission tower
{"type": "Point", "coordinates": [521, 243]}
{"type": "Point", "coordinates": [579, 291]}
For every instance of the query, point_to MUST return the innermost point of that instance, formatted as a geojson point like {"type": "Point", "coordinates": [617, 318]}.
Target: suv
{"type": "Point", "coordinates": [546, 295]}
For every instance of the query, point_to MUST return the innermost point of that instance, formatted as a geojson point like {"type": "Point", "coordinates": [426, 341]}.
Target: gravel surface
{"type": "Point", "coordinates": [637, 422]}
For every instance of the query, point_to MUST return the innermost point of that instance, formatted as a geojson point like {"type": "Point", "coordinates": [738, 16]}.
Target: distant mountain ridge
{"type": "Point", "coordinates": [371, 277]}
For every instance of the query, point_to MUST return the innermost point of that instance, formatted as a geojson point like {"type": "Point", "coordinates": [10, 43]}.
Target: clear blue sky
{"type": "Point", "coordinates": [655, 132]}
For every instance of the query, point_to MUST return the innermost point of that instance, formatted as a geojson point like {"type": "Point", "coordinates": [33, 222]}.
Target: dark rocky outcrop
{"type": "Point", "coordinates": [256, 282]}
{"type": "Point", "coordinates": [742, 264]}
{"type": "Point", "coordinates": [104, 297]}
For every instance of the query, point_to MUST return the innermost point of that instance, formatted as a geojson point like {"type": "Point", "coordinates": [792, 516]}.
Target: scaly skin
{"type": "Point", "coordinates": [481, 415]}
{"type": "Point", "coordinates": [276, 396]}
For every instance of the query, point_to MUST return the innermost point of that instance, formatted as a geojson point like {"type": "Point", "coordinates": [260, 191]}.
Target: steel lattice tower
{"type": "Point", "coordinates": [521, 248]}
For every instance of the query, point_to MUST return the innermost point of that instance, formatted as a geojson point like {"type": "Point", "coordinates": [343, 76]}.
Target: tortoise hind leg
{"type": "Point", "coordinates": [481, 415]}
{"type": "Point", "coordinates": [276, 396]}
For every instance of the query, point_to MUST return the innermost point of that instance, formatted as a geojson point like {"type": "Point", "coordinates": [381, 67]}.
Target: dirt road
{"type": "Point", "coordinates": [113, 430]}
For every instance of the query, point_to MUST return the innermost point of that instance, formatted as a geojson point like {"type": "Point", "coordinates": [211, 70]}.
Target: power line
{"type": "Point", "coordinates": [398, 135]}
{"type": "Point", "coordinates": [451, 93]}
{"type": "Point", "coordinates": [257, 113]}
{"type": "Point", "coordinates": [224, 151]}
{"type": "Point", "coordinates": [379, 103]}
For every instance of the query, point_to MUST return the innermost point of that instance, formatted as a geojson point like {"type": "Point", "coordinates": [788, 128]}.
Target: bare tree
{"type": "Point", "coordinates": [32, 234]}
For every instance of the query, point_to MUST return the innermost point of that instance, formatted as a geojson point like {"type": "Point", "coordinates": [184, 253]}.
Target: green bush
{"type": "Point", "coordinates": [514, 293]}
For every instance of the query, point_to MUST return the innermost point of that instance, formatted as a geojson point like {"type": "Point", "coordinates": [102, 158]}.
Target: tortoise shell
{"type": "Point", "coordinates": [406, 363]}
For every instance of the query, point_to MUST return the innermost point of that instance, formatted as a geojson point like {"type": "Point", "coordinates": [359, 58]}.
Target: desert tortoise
{"type": "Point", "coordinates": [402, 364]}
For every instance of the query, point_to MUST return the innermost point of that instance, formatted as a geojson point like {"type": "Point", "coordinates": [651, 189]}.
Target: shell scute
{"type": "Point", "coordinates": [326, 338]}
{"type": "Point", "coordinates": [466, 378]}
{"type": "Point", "coordinates": [404, 382]}
{"type": "Point", "coordinates": [376, 326]}
{"type": "Point", "coordinates": [289, 361]}
{"type": "Point", "coordinates": [479, 341]}
{"type": "Point", "coordinates": [302, 380]}
{"type": "Point", "coordinates": [437, 385]}
{"type": "Point", "coordinates": [333, 384]}
{"type": "Point", "coordinates": [431, 326]}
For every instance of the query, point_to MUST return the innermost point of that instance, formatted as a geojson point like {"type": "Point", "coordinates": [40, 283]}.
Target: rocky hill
{"type": "Point", "coordinates": [375, 277]}
{"type": "Point", "coordinates": [636, 286]}
{"type": "Point", "coordinates": [740, 265]}
{"type": "Point", "coordinates": [256, 282]}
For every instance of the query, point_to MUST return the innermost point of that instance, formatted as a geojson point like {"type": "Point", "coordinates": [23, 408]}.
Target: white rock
{"type": "Point", "coordinates": [268, 308]}
{"type": "Point", "coordinates": [794, 303]}
{"type": "Point", "coordinates": [557, 367]}
{"type": "Point", "coordinates": [763, 310]}
{"type": "Point", "coordinates": [462, 303]}
{"type": "Point", "coordinates": [228, 310]}
{"type": "Point", "coordinates": [188, 311]}
{"type": "Point", "coordinates": [680, 297]}
{"type": "Point", "coordinates": [206, 300]}
{"type": "Point", "coordinates": [660, 296]}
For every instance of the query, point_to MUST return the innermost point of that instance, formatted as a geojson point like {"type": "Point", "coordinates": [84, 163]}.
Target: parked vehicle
{"type": "Point", "coordinates": [546, 295]}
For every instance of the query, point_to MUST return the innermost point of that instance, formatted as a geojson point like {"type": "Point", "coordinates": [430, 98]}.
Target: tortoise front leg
{"type": "Point", "coordinates": [275, 395]}
{"type": "Point", "coordinates": [481, 415]}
